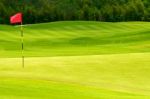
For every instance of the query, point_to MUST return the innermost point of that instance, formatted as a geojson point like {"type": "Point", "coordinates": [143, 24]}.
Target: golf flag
{"type": "Point", "coordinates": [17, 18]}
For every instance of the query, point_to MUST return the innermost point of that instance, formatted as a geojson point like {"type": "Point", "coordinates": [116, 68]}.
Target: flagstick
{"type": "Point", "coordinates": [22, 44]}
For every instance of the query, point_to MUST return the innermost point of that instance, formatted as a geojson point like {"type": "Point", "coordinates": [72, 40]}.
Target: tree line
{"type": "Point", "coordinates": [38, 11]}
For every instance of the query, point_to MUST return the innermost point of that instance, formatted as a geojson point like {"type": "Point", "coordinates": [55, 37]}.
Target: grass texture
{"type": "Point", "coordinates": [76, 60]}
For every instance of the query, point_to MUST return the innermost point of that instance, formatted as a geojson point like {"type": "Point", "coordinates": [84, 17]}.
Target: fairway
{"type": "Point", "coordinates": [76, 60]}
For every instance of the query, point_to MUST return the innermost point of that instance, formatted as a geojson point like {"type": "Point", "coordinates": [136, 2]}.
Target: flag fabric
{"type": "Point", "coordinates": [17, 18]}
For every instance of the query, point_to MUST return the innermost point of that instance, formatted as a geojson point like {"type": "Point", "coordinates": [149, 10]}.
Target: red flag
{"type": "Point", "coordinates": [17, 18]}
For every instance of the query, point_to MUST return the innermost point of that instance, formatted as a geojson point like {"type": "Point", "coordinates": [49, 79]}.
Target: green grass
{"type": "Point", "coordinates": [76, 60]}
{"type": "Point", "coordinates": [76, 38]}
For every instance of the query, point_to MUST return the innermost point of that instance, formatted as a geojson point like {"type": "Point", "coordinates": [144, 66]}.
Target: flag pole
{"type": "Point", "coordinates": [17, 18]}
{"type": "Point", "coordinates": [22, 44]}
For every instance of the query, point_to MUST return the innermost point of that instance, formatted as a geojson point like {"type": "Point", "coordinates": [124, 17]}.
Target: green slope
{"type": "Point", "coordinates": [118, 76]}
{"type": "Point", "coordinates": [76, 60]}
{"type": "Point", "coordinates": [76, 38]}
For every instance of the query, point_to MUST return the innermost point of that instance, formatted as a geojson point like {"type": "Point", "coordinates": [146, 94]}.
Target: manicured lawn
{"type": "Point", "coordinates": [76, 60]}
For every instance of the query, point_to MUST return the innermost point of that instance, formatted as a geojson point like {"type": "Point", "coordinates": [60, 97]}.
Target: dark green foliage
{"type": "Point", "coordinates": [37, 11]}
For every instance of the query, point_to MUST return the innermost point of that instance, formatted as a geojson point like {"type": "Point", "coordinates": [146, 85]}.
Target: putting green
{"type": "Point", "coordinates": [76, 60]}
{"type": "Point", "coordinates": [76, 38]}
